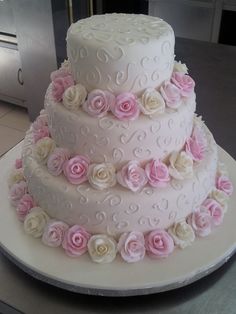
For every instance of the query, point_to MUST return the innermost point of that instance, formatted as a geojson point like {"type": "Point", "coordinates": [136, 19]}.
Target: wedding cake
{"type": "Point", "coordinates": [118, 163]}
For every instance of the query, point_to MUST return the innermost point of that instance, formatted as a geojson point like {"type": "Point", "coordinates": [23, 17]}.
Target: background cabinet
{"type": "Point", "coordinates": [198, 19]}
{"type": "Point", "coordinates": [11, 79]}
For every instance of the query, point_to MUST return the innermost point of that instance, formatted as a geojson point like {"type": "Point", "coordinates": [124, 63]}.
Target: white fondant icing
{"type": "Point", "coordinates": [121, 52]}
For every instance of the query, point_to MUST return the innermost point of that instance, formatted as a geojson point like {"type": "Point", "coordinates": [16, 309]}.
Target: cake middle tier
{"type": "Point", "coordinates": [108, 139]}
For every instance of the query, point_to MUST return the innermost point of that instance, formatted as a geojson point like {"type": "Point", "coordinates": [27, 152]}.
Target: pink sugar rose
{"type": "Point", "coordinates": [159, 243]}
{"type": "Point", "coordinates": [18, 163]}
{"type": "Point", "coordinates": [76, 169]}
{"type": "Point", "coordinates": [194, 149]}
{"type": "Point", "coordinates": [125, 107]}
{"type": "Point", "coordinates": [171, 95]}
{"type": "Point", "coordinates": [224, 184]}
{"type": "Point", "coordinates": [59, 85]}
{"type": "Point", "coordinates": [132, 176]}
{"type": "Point", "coordinates": [40, 133]}
{"type": "Point", "coordinates": [201, 222]}
{"type": "Point", "coordinates": [43, 117]}
{"type": "Point", "coordinates": [37, 124]}
{"type": "Point", "coordinates": [184, 83]}
{"type": "Point", "coordinates": [98, 103]}
{"type": "Point", "coordinates": [24, 206]}
{"type": "Point", "coordinates": [61, 72]}
{"type": "Point", "coordinates": [41, 121]}
{"type": "Point", "coordinates": [56, 160]}
{"type": "Point", "coordinates": [198, 135]}
{"type": "Point", "coordinates": [17, 191]}
{"type": "Point", "coordinates": [54, 233]}
{"type": "Point", "coordinates": [75, 241]}
{"type": "Point", "coordinates": [132, 246]}
{"type": "Point", "coordinates": [195, 146]}
{"type": "Point", "coordinates": [215, 210]}
{"type": "Point", "coordinates": [157, 173]}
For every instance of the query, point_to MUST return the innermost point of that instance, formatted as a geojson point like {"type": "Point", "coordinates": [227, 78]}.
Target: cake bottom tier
{"type": "Point", "coordinates": [118, 210]}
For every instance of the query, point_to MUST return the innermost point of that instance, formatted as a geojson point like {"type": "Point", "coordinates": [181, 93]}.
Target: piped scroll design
{"type": "Point", "coordinates": [83, 52]}
{"type": "Point", "coordinates": [152, 222]}
{"type": "Point", "coordinates": [114, 200]}
{"type": "Point", "coordinates": [117, 154]}
{"type": "Point", "coordinates": [73, 54]}
{"type": "Point", "coordinates": [133, 208]}
{"type": "Point", "coordinates": [162, 205]}
{"type": "Point", "coordinates": [106, 123]}
{"type": "Point", "coordinates": [155, 127]}
{"type": "Point", "coordinates": [182, 201]}
{"type": "Point", "coordinates": [123, 76]}
{"type": "Point", "coordinates": [82, 190]}
{"type": "Point", "coordinates": [139, 135]}
{"type": "Point", "coordinates": [128, 78]}
{"type": "Point", "coordinates": [100, 217]}
{"type": "Point", "coordinates": [119, 225]}
{"type": "Point", "coordinates": [147, 62]}
{"type": "Point", "coordinates": [102, 141]}
{"type": "Point", "coordinates": [104, 56]}
{"type": "Point", "coordinates": [163, 142]}
{"type": "Point", "coordinates": [140, 152]}
{"type": "Point", "coordinates": [93, 76]}
{"type": "Point", "coordinates": [84, 130]}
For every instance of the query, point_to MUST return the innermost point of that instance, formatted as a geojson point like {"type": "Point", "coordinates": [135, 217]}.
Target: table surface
{"type": "Point", "coordinates": [213, 67]}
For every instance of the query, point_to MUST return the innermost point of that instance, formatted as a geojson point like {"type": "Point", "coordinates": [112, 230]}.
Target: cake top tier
{"type": "Point", "coordinates": [121, 52]}
{"type": "Point", "coordinates": [121, 29]}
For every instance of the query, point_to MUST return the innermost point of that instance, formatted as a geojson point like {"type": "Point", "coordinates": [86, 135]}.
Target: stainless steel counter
{"type": "Point", "coordinates": [214, 69]}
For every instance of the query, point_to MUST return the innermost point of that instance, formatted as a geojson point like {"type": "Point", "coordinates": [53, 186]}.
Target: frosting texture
{"type": "Point", "coordinates": [121, 52]}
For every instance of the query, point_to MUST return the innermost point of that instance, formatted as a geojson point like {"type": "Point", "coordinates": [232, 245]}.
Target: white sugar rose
{"type": "Point", "coordinates": [182, 234]}
{"type": "Point", "coordinates": [43, 148]}
{"type": "Point", "coordinates": [221, 169]}
{"type": "Point", "coordinates": [181, 165]}
{"type": "Point", "coordinates": [66, 65]}
{"type": "Point", "coordinates": [180, 67]}
{"type": "Point", "coordinates": [74, 96]}
{"type": "Point", "coordinates": [102, 248]}
{"type": "Point", "coordinates": [220, 197]}
{"type": "Point", "coordinates": [15, 176]}
{"type": "Point", "coordinates": [102, 176]}
{"type": "Point", "coordinates": [35, 222]}
{"type": "Point", "coordinates": [151, 102]}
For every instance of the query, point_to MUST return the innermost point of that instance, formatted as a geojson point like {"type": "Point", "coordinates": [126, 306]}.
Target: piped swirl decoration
{"type": "Point", "coordinates": [132, 246]}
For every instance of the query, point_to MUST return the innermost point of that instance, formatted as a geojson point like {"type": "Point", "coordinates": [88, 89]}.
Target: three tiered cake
{"type": "Point", "coordinates": [118, 161]}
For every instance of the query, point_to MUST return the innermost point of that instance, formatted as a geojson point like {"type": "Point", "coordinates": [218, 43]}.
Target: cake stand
{"type": "Point", "coordinates": [118, 278]}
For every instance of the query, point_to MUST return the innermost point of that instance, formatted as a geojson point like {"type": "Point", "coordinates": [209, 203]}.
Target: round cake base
{"type": "Point", "coordinates": [84, 276]}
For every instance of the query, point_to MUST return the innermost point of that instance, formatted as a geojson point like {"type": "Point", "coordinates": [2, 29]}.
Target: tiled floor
{"type": "Point", "coordinates": [14, 121]}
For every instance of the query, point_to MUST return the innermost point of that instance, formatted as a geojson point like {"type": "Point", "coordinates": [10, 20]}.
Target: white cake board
{"type": "Point", "coordinates": [118, 278]}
